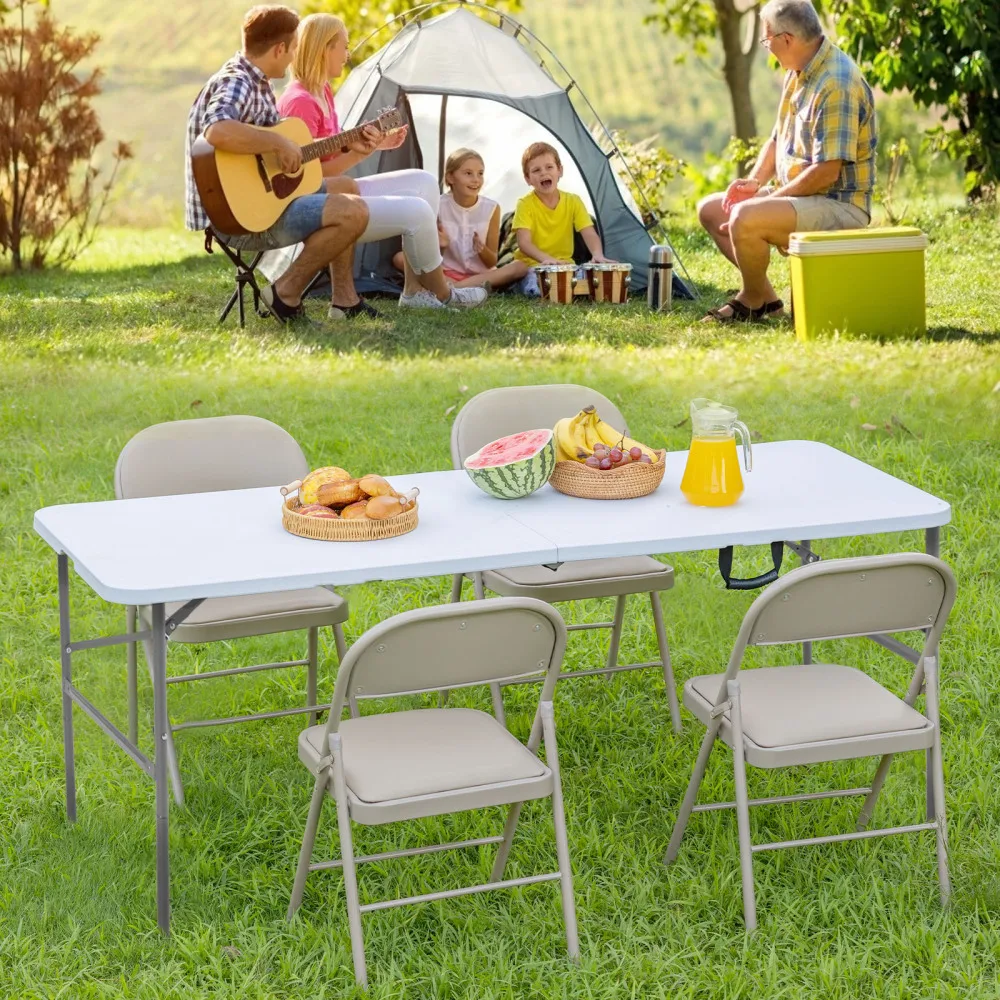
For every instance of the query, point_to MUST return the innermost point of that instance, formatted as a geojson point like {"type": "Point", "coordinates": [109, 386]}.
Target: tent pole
{"type": "Point", "coordinates": [442, 130]}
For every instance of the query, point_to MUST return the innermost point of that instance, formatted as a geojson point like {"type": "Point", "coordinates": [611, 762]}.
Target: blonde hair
{"type": "Point", "coordinates": [316, 32]}
{"type": "Point", "coordinates": [457, 158]}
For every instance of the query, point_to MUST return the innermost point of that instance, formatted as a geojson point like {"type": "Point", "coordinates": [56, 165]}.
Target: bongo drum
{"type": "Point", "coordinates": [608, 282]}
{"type": "Point", "coordinates": [555, 282]}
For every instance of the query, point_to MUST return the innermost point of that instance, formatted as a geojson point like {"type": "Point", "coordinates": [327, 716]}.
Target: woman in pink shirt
{"type": "Point", "coordinates": [403, 202]}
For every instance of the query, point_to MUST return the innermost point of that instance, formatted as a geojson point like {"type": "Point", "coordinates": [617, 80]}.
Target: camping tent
{"type": "Point", "coordinates": [462, 80]}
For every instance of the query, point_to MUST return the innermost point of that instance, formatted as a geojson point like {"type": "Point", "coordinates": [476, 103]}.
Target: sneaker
{"type": "Point", "coordinates": [360, 309]}
{"type": "Point", "coordinates": [468, 297]}
{"type": "Point", "coordinates": [420, 300]}
{"type": "Point", "coordinates": [278, 308]}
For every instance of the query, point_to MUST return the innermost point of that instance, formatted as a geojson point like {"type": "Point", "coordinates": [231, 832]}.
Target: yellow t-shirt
{"type": "Point", "coordinates": [551, 228]}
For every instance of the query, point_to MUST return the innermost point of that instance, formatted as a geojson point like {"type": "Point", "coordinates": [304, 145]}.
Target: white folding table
{"type": "Point", "coordinates": [187, 548]}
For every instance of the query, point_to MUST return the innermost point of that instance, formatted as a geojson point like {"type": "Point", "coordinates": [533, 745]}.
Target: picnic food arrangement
{"type": "Point", "coordinates": [332, 505]}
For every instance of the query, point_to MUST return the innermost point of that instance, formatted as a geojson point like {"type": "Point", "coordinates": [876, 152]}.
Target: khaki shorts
{"type": "Point", "coordinates": [818, 212]}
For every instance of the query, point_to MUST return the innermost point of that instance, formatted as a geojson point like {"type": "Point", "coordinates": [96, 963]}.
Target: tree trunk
{"type": "Point", "coordinates": [738, 63]}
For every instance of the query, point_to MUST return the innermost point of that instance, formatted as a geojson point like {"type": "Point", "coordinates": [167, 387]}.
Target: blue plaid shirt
{"type": "Point", "coordinates": [827, 112]}
{"type": "Point", "coordinates": [238, 92]}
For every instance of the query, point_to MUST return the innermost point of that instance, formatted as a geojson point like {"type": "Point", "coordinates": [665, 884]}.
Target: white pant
{"type": "Point", "coordinates": [401, 203]}
{"type": "Point", "coordinates": [404, 203]}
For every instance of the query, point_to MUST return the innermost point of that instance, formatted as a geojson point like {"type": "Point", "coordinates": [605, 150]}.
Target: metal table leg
{"type": "Point", "coordinates": [932, 546]}
{"type": "Point", "coordinates": [158, 649]}
{"type": "Point", "coordinates": [807, 647]}
{"type": "Point", "coordinates": [65, 656]}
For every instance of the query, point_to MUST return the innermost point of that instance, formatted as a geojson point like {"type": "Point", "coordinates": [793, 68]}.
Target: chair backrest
{"type": "Point", "coordinates": [211, 453]}
{"type": "Point", "coordinates": [453, 646]}
{"type": "Point", "coordinates": [496, 413]}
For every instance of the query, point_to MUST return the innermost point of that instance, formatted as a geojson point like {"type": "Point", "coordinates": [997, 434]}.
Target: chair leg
{"type": "Point", "coordinates": [616, 633]}
{"type": "Point", "coordinates": [668, 671]}
{"type": "Point", "coordinates": [937, 777]}
{"type": "Point", "coordinates": [177, 786]}
{"type": "Point", "coordinates": [495, 691]}
{"type": "Point", "coordinates": [311, 672]}
{"type": "Point", "coordinates": [308, 840]}
{"type": "Point", "coordinates": [742, 807]}
{"type": "Point", "coordinates": [350, 874]}
{"type": "Point", "coordinates": [456, 587]}
{"type": "Point", "coordinates": [338, 638]}
{"type": "Point", "coordinates": [691, 795]}
{"type": "Point", "coordinates": [503, 851]}
{"type": "Point", "coordinates": [352, 707]}
{"type": "Point", "coordinates": [868, 806]}
{"type": "Point", "coordinates": [562, 841]}
{"type": "Point", "coordinates": [133, 676]}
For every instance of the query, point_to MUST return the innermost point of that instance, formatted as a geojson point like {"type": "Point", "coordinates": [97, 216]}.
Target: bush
{"type": "Point", "coordinates": [51, 197]}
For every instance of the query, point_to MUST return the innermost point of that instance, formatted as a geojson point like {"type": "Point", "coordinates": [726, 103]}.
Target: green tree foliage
{"type": "Point", "coordinates": [737, 24]}
{"type": "Point", "coordinates": [363, 17]}
{"type": "Point", "coordinates": [945, 53]}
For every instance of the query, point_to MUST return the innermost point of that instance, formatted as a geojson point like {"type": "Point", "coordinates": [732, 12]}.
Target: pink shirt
{"type": "Point", "coordinates": [319, 114]}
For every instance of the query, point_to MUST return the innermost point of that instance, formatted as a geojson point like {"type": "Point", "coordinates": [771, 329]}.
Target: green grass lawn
{"type": "Point", "coordinates": [128, 338]}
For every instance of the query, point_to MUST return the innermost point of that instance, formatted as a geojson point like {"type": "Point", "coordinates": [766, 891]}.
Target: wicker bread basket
{"type": "Point", "coordinates": [637, 479]}
{"type": "Point", "coordinates": [359, 529]}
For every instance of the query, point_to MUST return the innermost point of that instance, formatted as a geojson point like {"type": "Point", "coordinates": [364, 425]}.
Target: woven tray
{"type": "Point", "coordinates": [361, 529]}
{"type": "Point", "coordinates": [637, 479]}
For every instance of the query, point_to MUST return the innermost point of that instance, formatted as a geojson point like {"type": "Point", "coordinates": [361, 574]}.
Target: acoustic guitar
{"type": "Point", "coordinates": [247, 192]}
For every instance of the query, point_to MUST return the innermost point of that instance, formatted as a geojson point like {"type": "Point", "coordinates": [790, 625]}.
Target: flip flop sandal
{"type": "Point", "coordinates": [739, 313]}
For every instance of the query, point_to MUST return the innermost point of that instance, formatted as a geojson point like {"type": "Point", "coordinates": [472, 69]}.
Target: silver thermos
{"type": "Point", "coordinates": [659, 289]}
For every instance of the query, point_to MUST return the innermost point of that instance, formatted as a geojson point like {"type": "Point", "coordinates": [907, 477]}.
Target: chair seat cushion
{"type": "Point", "coordinates": [812, 703]}
{"type": "Point", "coordinates": [574, 581]}
{"type": "Point", "coordinates": [424, 752]}
{"type": "Point", "coordinates": [257, 614]}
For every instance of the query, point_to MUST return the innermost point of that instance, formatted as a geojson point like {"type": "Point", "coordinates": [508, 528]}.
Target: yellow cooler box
{"type": "Point", "coordinates": [868, 281]}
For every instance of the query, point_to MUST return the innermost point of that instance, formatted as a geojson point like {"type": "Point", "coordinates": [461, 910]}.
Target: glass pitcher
{"type": "Point", "coordinates": [712, 475]}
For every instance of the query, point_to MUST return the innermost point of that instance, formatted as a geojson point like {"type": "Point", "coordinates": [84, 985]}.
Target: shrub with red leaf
{"type": "Point", "coordinates": [51, 195]}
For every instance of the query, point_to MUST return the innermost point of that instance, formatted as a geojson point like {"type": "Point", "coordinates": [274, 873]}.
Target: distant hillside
{"type": "Point", "coordinates": [156, 57]}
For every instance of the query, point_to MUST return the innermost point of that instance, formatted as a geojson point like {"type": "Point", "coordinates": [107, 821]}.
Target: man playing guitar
{"type": "Point", "coordinates": [238, 96]}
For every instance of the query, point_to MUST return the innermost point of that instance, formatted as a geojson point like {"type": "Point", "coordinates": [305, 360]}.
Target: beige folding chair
{"type": "Point", "coordinates": [784, 716]}
{"type": "Point", "coordinates": [201, 456]}
{"type": "Point", "coordinates": [427, 762]}
{"type": "Point", "coordinates": [498, 412]}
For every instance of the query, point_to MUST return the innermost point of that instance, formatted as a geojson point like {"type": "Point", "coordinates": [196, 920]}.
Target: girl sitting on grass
{"type": "Point", "coordinates": [469, 227]}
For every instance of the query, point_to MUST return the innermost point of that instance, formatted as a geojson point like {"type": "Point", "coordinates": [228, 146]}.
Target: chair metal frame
{"type": "Point", "coordinates": [611, 666]}
{"type": "Point", "coordinates": [424, 678]}
{"type": "Point", "coordinates": [842, 625]}
{"type": "Point", "coordinates": [133, 616]}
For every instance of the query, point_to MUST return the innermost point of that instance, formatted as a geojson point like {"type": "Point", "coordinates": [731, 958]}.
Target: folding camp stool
{"type": "Point", "coordinates": [497, 412]}
{"type": "Point", "coordinates": [413, 763]}
{"type": "Point", "coordinates": [824, 712]}
{"type": "Point", "coordinates": [246, 277]}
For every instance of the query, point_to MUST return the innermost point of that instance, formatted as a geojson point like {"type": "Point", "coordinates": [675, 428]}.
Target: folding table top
{"type": "Point", "coordinates": [176, 548]}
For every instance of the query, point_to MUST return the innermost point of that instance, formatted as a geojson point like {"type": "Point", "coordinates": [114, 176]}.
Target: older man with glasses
{"type": "Point", "coordinates": [815, 172]}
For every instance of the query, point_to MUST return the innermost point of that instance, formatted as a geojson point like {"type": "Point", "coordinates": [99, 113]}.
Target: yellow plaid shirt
{"type": "Point", "coordinates": [827, 112]}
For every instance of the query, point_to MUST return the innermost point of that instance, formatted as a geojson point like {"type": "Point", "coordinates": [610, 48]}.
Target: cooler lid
{"type": "Point", "coordinates": [852, 241]}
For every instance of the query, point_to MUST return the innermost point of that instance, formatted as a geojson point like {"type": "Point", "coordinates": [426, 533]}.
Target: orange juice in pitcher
{"type": "Point", "coordinates": [712, 476]}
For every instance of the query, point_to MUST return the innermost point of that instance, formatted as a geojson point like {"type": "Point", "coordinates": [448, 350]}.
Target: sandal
{"type": "Point", "coordinates": [739, 313]}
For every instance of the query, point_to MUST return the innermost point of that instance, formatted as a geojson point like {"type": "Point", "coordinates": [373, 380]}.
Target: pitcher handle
{"type": "Point", "coordinates": [744, 433]}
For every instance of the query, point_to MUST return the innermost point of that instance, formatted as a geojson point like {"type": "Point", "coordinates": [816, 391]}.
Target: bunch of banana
{"type": "Point", "coordinates": [575, 437]}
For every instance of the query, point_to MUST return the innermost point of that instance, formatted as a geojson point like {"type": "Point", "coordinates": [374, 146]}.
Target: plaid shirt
{"type": "Point", "coordinates": [238, 92]}
{"type": "Point", "coordinates": [827, 112]}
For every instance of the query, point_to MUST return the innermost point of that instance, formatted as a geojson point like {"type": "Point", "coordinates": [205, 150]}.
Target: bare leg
{"type": "Point", "coordinates": [399, 260]}
{"type": "Point", "coordinates": [716, 223]}
{"type": "Point", "coordinates": [344, 220]}
{"type": "Point", "coordinates": [755, 226]}
{"type": "Point", "coordinates": [498, 277]}
{"type": "Point", "coordinates": [434, 281]}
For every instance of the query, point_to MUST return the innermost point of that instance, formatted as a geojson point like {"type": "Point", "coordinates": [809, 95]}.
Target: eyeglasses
{"type": "Point", "coordinates": [767, 39]}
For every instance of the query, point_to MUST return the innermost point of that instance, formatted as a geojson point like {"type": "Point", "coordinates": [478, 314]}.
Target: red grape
{"type": "Point", "coordinates": [616, 455]}
{"type": "Point", "coordinates": [646, 459]}
{"type": "Point", "coordinates": [626, 458]}
{"type": "Point", "coordinates": [594, 462]}
{"type": "Point", "coordinates": [605, 463]}
{"type": "Point", "coordinates": [636, 452]}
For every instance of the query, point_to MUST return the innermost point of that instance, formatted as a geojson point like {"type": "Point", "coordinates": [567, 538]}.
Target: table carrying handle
{"type": "Point", "coordinates": [726, 569]}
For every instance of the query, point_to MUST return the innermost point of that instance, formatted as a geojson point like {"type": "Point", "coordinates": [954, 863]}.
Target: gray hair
{"type": "Point", "coordinates": [796, 17]}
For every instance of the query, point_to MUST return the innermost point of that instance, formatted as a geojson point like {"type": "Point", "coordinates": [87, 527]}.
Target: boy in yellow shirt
{"type": "Point", "coordinates": [546, 218]}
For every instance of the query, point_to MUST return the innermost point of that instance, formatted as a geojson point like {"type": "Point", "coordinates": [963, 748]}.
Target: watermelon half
{"type": "Point", "coordinates": [513, 466]}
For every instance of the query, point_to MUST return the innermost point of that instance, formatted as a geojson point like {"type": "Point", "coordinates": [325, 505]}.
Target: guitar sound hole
{"type": "Point", "coordinates": [284, 185]}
